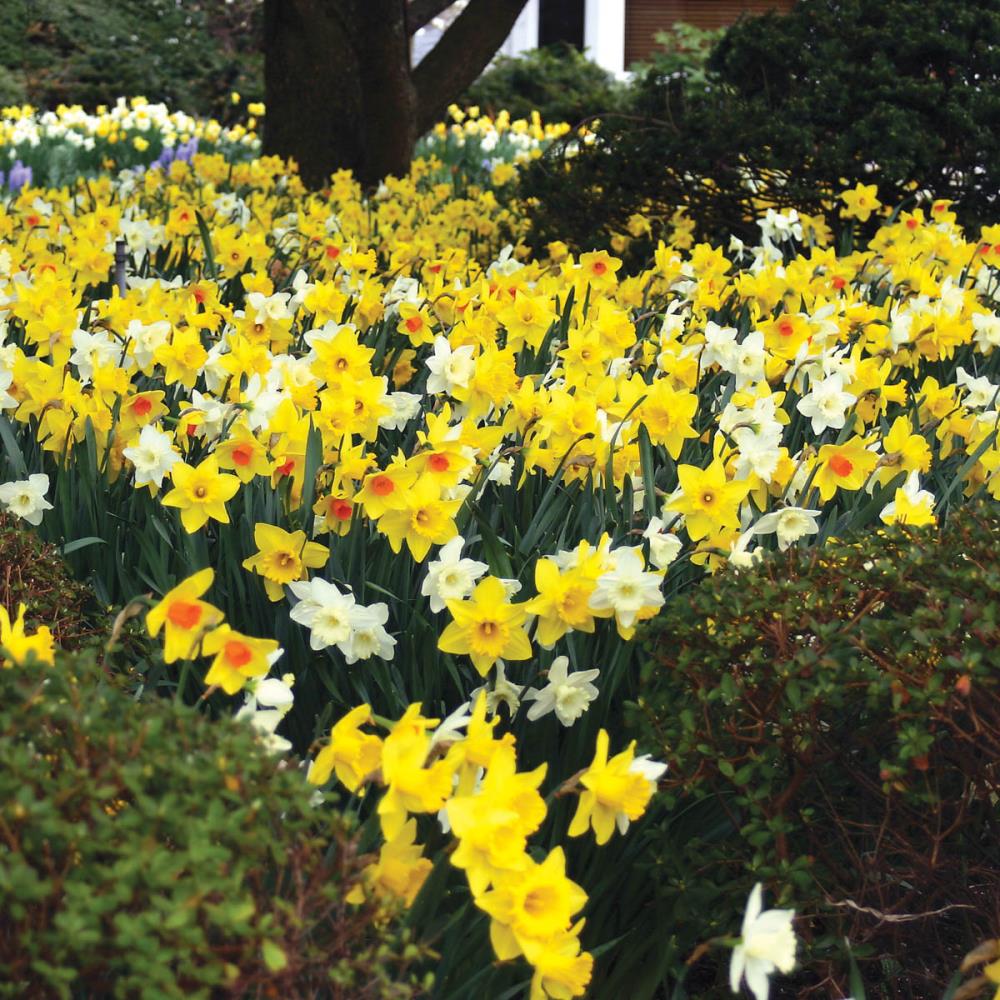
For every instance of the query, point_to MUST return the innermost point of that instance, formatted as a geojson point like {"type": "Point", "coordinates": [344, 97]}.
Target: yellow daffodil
{"type": "Point", "coordinates": [613, 791]}
{"type": "Point", "coordinates": [487, 627]}
{"type": "Point", "coordinates": [709, 501]}
{"type": "Point", "coordinates": [352, 754]}
{"type": "Point", "coordinates": [18, 646]}
{"type": "Point", "coordinates": [860, 201]}
{"type": "Point", "coordinates": [184, 616]}
{"type": "Point", "coordinates": [282, 557]}
{"type": "Point", "coordinates": [201, 493]}
{"type": "Point", "coordinates": [238, 658]}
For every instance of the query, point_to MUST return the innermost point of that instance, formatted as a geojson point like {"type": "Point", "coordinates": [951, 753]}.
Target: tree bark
{"type": "Point", "coordinates": [312, 86]}
{"type": "Point", "coordinates": [339, 87]}
{"type": "Point", "coordinates": [389, 97]}
{"type": "Point", "coordinates": [420, 12]}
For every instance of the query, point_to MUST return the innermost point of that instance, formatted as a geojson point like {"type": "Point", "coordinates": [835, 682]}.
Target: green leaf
{"type": "Point", "coordinates": [12, 450]}
{"type": "Point", "coordinates": [274, 956]}
{"type": "Point", "coordinates": [206, 239]}
{"type": "Point", "coordinates": [82, 543]}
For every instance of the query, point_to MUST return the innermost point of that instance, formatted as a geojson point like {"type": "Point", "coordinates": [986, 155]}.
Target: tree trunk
{"type": "Point", "coordinates": [339, 88]}
{"type": "Point", "coordinates": [463, 52]}
{"type": "Point", "coordinates": [389, 97]}
{"type": "Point", "coordinates": [312, 87]}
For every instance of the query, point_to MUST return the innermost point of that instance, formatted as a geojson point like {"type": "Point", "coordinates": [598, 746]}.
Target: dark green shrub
{"type": "Point", "coordinates": [557, 81]}
{"type": "Point", "coordinates": [908, 87]}
{"type": "Point", "coordinates": [842, 705]}
{"type": "Point", "coordinates": [893, 92]}
{"type": "Point", "coordinates": [146, 851]}
{"type": "Point", "coordinates": [190, 54]}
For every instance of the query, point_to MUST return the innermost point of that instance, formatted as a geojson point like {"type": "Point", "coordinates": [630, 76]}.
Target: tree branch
{"type": "Point", "coordinates": [462, 53]}
{"type": "Point", "coordinates": [420, 12]}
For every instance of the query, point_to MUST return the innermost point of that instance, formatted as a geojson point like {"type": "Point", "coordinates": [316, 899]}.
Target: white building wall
{"type": "Point", "coordinates": [524, 35]}
{"type": "Point", "coordinates": [604, 34]}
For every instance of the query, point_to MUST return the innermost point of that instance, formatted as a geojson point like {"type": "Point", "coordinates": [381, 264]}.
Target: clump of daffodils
{"type": "Point", "coordinates": [465, 773]}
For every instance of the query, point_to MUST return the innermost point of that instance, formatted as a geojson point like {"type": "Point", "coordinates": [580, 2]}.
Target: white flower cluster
{"type": "Point", "coordinates": [336, 619]}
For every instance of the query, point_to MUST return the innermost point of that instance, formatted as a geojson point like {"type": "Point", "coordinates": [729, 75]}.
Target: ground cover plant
{"type": "Point", "coordinates": [361, 462]}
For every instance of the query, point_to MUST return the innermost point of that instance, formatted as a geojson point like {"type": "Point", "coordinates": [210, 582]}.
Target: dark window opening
{"type": "Point", "coordinates": [560, 21]}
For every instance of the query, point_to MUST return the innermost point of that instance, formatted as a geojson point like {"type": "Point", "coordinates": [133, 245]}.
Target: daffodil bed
{"type": "Point", "coordinates": [440, 479]}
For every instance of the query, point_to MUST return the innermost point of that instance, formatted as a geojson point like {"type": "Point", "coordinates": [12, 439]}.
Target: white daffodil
{"type": "Point", "coordinates": [26, 498]}
{"type": "Point", "coordinates": [568, 694]}
{"type": "Point", "coordinates": [746, 360]}
{"type": "Point", "coordinates": [450, 577]}
{"type": "Point", "coordinates": [767, 944]}
{"type": "Point", "coordinates": [260, 400]}
{"type": "Point", "coordinates": [449, 369]}
{"type": "Point", "coordinates": [826, 403]}
{"type": "Point", "coordinates": [664, 546]}
{"type": "Point", "coordinates": [987, 331]}
{"type": "Point", "coordinates": [368, 635]}
{"type": "Point", "coordinates": [626, 588]}
{"type": "Point", "coordinates": [267, 703]}
{"type": "Point", "coordinates": [214, 414]}
{"type": "Point", "coordinates": [403, 407]}
{"type": "Point", "coordinates": [153, 456]}
{"type": "Point", "coordinates": [7, 401]}
{"type": "Point", "coordinates": [93, 349]}
{"type": "Point", "coordinates": [263, 308]}
{"type": "Point", "coordinates": [720, 346]}
{"type": "Point", "coordinates": [980, 391]}
{"type": "Point", "coordinates": [741, 555]}
{"type": "Point", "coordinates": [759, 450]}
{"type": "Point", "coordinates": [145, 339]}
{"type": "Point", "coordinates": [789, 524]}
{"type": "Point", "coordinates": [324, 610]}
{"type": "Point", "coordinates": [450, 729]}
{"type": "Point", "coordinates": [503, 691]}
{"type": "Point", "coordinates": [500, 472]}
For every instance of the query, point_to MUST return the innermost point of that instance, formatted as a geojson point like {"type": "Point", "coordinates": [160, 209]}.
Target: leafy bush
{"type": "Point", "coordinates": [842, 705]}
{"type": "Point", "coordinates": [150, 852]}
{"type": "Point", "coordinates": [683, 50]}
{"type": "Point", "coordinates": [33, 573]}
{"type": "Point", "coordinates": [558, 81]}
{"type": "Point", "coordinates": [190, 54]}
{"type": "Point", "coordinates": [801, 105]}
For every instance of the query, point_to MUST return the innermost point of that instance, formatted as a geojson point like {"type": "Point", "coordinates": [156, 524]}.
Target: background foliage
{"type": "Point", "coordinates": [899, 94]}
{"type": "Point", "coordinates": [558, 82]}
{"type": "Point", "coordinates": [190, 54]}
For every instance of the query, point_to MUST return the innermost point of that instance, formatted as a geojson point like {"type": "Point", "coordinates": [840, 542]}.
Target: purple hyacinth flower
{"type": "Point", "coordinates": [19, 176]}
